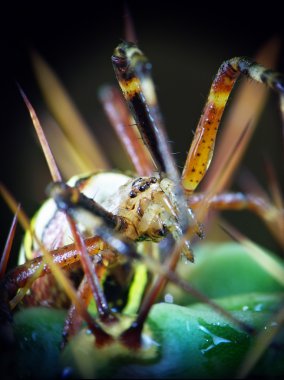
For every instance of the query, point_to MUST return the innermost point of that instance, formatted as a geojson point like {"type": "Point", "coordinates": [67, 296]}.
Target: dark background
{"type": "Point", "coordinates": [186, 44]}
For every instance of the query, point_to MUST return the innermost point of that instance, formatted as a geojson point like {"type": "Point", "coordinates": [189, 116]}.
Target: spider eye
{"type": "Point", "coordinates": [162, 232]}
{"type": "Point", "coordinates": [132, 194]}
{"type": "Point", "coordinates": [144, 187]}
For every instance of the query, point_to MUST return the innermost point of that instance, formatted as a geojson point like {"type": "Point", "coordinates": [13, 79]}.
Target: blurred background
{"type": "Point", "coordinates": [186, 45]}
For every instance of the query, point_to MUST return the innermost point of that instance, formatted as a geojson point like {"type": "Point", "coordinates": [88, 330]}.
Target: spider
{"type": "Point", "coordinates": [119, 218]}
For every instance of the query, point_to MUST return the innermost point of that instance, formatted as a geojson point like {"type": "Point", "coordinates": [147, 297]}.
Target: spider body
{"type": "Point", "coordinates": [143, 207]}
{"type": "Point", "coordinates": [143, 203]}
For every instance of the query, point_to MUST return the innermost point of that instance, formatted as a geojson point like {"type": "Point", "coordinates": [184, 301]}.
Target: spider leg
{"type": "Point", "coordinates": [235, 201]}
{"type": "Point", "coordinates": [65, 257]}
{"type": "Point", "coordinates": [69, 199]}
{"type": "Point", "coordinates": [266, 211]}
{"type": "Point", "coordinates": [74, 320]}
{"type": "Point", "coordinates": [133, 72]}
{"type": "Point", "coordinates": [246, 106]}
{"type": "Point", "coordinates": [122, 122]}
{"type": "Point", "coordinates": [202, 146]}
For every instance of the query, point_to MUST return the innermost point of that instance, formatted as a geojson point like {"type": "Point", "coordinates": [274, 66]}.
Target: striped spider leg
{"type": "Point", "coordinates": [201, 150]}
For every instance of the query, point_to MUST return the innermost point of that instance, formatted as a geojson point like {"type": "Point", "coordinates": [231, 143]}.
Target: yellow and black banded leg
{"type": "Point", "coordinates": [133, 72]}
{"type": "Point", "coordinates": [129, 63]}
{"type": "Point", "coordinates": [202, 146]}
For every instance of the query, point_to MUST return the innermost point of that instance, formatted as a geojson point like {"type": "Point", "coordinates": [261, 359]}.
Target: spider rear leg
{"type": "Point", "coordinates": [202, 146]}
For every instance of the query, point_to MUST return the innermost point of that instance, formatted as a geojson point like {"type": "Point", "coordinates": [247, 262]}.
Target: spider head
{"type": "Point", "coordinates": [152, 209]}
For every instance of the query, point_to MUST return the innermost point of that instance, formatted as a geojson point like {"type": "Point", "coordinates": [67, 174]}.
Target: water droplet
{"type": "Point", "coordinates": [148, 342]}
{"type": "Point", "coordinates": [259, 307]}
{"type": "Point", "coordinates": [217, 340]}
{"type": "Point", "coordinates": [169, 298]}
{"type": "Point", "coordinates": [245, 308]}
{"type": "Point", "coordinates": [214, 341]}
{"type": "Point", "coordinates": [204, 350]}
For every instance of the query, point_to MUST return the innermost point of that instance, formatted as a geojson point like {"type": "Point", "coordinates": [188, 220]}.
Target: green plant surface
{"type": "Point", "coordinates": [226, 269]}
{"type": "Point", "coordinates": [188, 341]}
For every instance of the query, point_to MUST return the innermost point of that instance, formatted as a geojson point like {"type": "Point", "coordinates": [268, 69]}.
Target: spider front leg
{"type": "Point", "coordinates": [133, 72]}
{"type": "Point", "coordinates": [201, 150]}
